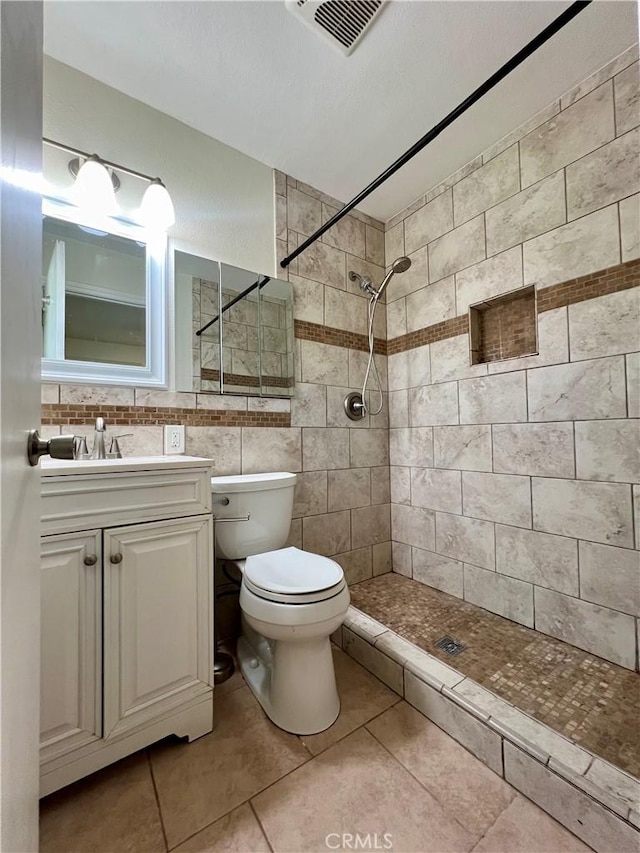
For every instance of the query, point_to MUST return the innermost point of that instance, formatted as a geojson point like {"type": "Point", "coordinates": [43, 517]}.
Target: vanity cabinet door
{"type": "Point", "coordinates": [71, 649]}
{"type": "Point", "coordinates": [158, 615]}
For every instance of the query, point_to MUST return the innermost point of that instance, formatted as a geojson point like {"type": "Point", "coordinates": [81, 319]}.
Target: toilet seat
{"type": "Point", "coordinates": [292, 576]}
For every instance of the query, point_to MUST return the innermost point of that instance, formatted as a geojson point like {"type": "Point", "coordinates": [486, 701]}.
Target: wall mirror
{"type": "Point", "coordinates": [103, 301]}
{"type": "Point", "coordinates": [245, 321]}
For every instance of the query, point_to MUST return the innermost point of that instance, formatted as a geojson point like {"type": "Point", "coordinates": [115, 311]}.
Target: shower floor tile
{"type": "Point", "coordinates": [589, 700]}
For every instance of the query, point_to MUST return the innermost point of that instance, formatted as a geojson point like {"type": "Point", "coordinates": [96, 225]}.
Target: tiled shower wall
{"type": "Point", "coordinates": [342, 497]}
{"type": "Point", "coordinates": [513, 483]}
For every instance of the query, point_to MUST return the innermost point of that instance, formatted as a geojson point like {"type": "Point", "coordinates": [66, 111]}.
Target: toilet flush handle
{"type": "Point", "coordinates": [223, 500]}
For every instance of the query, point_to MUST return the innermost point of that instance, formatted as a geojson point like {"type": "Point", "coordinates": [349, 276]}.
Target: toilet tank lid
{"type": "Point", "coordinates": [253, 482]}
{"type": "Point", "coordinates": [292, 571]}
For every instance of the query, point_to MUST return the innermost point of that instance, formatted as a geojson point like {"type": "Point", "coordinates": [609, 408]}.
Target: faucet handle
{"type": "Point", "coordinates": [114, 449]}
{"type": "Point", "coordinates": [80, 447]}
{"type": "Point", "coordinates": [100, 425]}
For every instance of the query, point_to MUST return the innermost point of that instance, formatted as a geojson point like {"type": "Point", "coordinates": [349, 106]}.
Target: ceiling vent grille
{"type": "Point", "coordinates": [341, 22]}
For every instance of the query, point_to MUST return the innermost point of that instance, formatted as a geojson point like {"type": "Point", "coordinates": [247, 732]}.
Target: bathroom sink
{"type": "Point", "coordinates": [62, 467]}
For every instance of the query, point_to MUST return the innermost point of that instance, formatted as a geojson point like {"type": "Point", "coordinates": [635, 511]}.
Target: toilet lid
{"type": "Point", "coordinates": [291, 571]}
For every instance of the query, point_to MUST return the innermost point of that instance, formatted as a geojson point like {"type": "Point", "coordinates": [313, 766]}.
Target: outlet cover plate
{"type": "Point", "coordinates": [173, 439]}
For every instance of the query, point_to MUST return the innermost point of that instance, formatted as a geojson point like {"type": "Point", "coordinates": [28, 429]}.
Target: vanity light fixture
{"type": "Point", "coordinates": [96, 183]}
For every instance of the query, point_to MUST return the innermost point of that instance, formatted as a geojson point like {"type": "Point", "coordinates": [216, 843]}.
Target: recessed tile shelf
{"type": "Point", "coordinates": [592, 798]}
{"type": "Point", "coordinates": [504, 327]}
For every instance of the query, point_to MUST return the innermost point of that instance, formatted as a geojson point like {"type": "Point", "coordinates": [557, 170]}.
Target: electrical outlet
{"type": "Point", "coordinates": [174, 439]}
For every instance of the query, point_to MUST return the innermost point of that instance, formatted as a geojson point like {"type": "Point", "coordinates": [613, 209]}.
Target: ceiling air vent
{"type": "Point", "coordinates": [341, 22]}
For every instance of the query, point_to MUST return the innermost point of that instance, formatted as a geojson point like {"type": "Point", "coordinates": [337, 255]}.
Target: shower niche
{"type": "Point", "coordinates": [504, 327]}
{"type": "Point", "coordinates": [234, 329]}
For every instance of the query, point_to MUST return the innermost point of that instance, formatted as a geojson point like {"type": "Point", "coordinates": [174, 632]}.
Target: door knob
{"type": "Point", "coordinates": [116, 558]}
{"type": "Point", "coordinates": [90, 560]}
{"type": "Point", "coordinates": [58, 447]}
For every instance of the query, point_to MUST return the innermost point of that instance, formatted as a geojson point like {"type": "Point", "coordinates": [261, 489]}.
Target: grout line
{"type": "Point", "coordinates": [263, 830]}
{"type": "Point", "coordinates": [155, 791]}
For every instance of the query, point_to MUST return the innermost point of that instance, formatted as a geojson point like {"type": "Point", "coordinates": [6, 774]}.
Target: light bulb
{"type": "Point", "coordinates": [93, 190]}
{"type": "Point", "coordinates": [156, 210]}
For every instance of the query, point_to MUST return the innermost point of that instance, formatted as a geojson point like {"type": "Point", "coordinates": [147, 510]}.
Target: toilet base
{"type": "Point", "coordinates": [294, 681]}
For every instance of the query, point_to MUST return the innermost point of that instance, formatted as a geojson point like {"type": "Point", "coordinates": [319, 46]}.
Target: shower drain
{"type": "Point", "coordinates": [450, 646]}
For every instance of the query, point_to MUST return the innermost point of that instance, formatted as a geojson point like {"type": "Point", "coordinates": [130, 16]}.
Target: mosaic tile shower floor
{"type": "Point", "coordinates": [587, 699]}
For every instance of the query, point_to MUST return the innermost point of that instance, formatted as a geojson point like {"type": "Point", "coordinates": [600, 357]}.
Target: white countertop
{"type": "Point", "coordinates": [64, 467]}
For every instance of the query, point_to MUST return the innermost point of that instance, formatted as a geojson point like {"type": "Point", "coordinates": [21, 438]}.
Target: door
{"type": "Point", "coordinates": [20, 334]}
{"type": "Point", "coordinates": [158, 597]}
{"type": "Point", "coordinates": [71, 642]}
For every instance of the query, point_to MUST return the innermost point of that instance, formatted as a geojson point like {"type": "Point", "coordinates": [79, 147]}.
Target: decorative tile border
{"type": "Point", "coordinates": [337, 337]}
{"type": "Point", "coordinates": [243, 380]}
{"type": "Point", "coordinates": [610, 280]}
{"type": "Point", "coordinates": [78, 414]}
{"type": "Point", "coordinates": [593, 799]}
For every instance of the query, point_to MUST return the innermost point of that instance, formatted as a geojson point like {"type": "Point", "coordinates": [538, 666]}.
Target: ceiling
{"type": "Point", "coordinates": [250, 74]}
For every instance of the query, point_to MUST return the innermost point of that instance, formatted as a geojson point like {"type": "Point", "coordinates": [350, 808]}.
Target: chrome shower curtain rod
{"type": "Point", "coordinates": [562, 20]}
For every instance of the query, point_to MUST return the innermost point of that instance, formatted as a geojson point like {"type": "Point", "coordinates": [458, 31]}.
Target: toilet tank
{"type": "Point", "coordinates": [257, 516]}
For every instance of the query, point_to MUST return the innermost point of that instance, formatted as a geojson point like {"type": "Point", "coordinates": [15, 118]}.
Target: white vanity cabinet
{"type": "Point", "coordinates": [127, 610]}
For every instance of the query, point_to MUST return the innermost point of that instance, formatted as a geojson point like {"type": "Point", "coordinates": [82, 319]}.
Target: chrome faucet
{"type": "Point", "coordinates": [98, 450]}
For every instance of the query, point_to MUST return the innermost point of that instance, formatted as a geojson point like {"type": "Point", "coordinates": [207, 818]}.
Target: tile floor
{"type": "Point", "coordinates": [587, 699]}
{"type": "Point", "coordinates": [249, 787]}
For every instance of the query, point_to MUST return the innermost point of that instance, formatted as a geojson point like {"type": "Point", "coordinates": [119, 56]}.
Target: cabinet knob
{"type": "Point", "coordinates": [116, 558]}
{"type": "Point", "coordinates": [90, 560]}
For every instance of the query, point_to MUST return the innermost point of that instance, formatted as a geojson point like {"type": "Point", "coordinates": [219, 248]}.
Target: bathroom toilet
{"type": "Point", "coordinates": [291, 602]}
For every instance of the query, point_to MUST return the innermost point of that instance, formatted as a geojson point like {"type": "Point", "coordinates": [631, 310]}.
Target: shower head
{"type": "Point", "coordinates": [400, 265]}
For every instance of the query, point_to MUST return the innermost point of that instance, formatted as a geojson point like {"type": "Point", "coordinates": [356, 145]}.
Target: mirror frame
{"type": "Point", "coordinates": [155, 372]}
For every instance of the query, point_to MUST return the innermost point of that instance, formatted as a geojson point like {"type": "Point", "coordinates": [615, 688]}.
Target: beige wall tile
{"type": "Point", "coordinates": [595, 825]}
{"type": "Point", "coordinates": [543, 450]}
{"type": "Point", "coordinates": [325, 449]}
{"type": "Point", "coordinates": [576, 131]}
{"type": "Point", "coordinates": [633, 384]}
{"type": "Point", "coordinates": [369, 447]}
{"type": "Point", "coordinates": [608, 450]}
{"type": "Point", "coordinates": [310, 497]}
{"type": "Point", "coordinates": [350, 488]}
{"type": "Point", "coordinates": [583, 246]}
{"type": "Point", "coordinates": [505, 498]}
{"type": "Point", "coordinates": [324, 364]}
{"type": "Point", "coordinates": [610, 576]}
{"type": "Point", "coordinates": [309, 406]}
{"type": "Point", "coordinates": [487, 186]}
{"type": "Point", "coordinates": [400, 485]}
{"type": "Point", "coordinates": [348, 234]}
{"type": "Point", "coordinates": [431, 221]}
{"type": "Point", "coordinates": [345, 311]}
{"type": "Point", "coordinates": [533, 211]}
{"type": "Point", "coordinates": [599, 512]}
{"type": "Point", "coordinates": [500, 594]}
{"type": "Point", "coordinates": [304, 214]}
{"type": "Point", "coordinates": [626, 87]}
{"type": "Point", "coordinates": [414, 278]}
{"type": "Point", "coordinates": [535, 121]}
{"type": "Point", "coordinates": [271, 449]}
{"type": "Point", "coordinates": [450, 359]}
{"type": "Point", "coordinates": [419, 366]}
{"type": "Point", "coordinates": [387, 670]}
{"type": "Point", "coordinates": [539, 558]}
{"type": "Point", "coordinates": [411, 446]}
{"type": "Point", "coordinates": [597, 629]}
{"type": "Point", "coordinates": [97, 395]}
{"type": "Point", "coordinates": [467, 730]}
{"type": "Point", "coordinates": [466, 539]}
{"type": "Point", "coordinates": [493, 399]}
{"type": "Point", "coordinates": [401, 556]}
{"type": "Point", "coordinates": [308, 299]}
{"type": "Point", "coordinates": [605, 326]}
{"type": "Point", "coordinates": [583, 390]}
{"type": "Point", "coordinates": [336, 415]}
{"type": "Point", "coordinates": [457, 249]}
{"type": "Point", "coordinates": [413, 525]}
{"type": "Point", "coordinates": [145, 441]}
{"type": "Point", "coordinates": [432, 304]}
{"type": "Point", "coordinates": [462, 447]}
{"type": "Point", "coordinates": [437, 571]}
{"type": "Point", "coordinates": [321, 262]}
{"type": "Point", "coordinates": [398, 371]}
{"type": "Point", "coordinates": [630, 227]}
{"type": "Point", "coordinates": [603, 74]}
{"type": "Point", "coordinates": [375, 245]}
{"type": "Point", "coordinates": [399, 408]}
{"type": "Point", "coordinates": [327, 534]}
{"type": "Point", "coordinates": [606, 175]}
{"type": "Point", "coordinates": [381, 558]}
{"type": "Point", "coordinates": [489, 278]}
{"type": "Point", "coordinates": [294, 540]}
{"type": "Point", "coordinates": [396, 318]}
{"type": "Point", "coordinates": [220, 402]}
{"type": "Point", "coordinates": [222, 444]}
{"type": "Point", "coordinates": [49, 393]}
{"type": "Point", "coordinates": [370, 525]}
{"type": "Point", "coordinates": [433, 405]}
{"type": "Point", "coordinates": [394, 242]}
{"type": "Point", "coordinates": [356, 565]}
{"type": "Point", "coordinates": [437, 488]}
{"type": "Point", "coordinates": [380, 485]}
